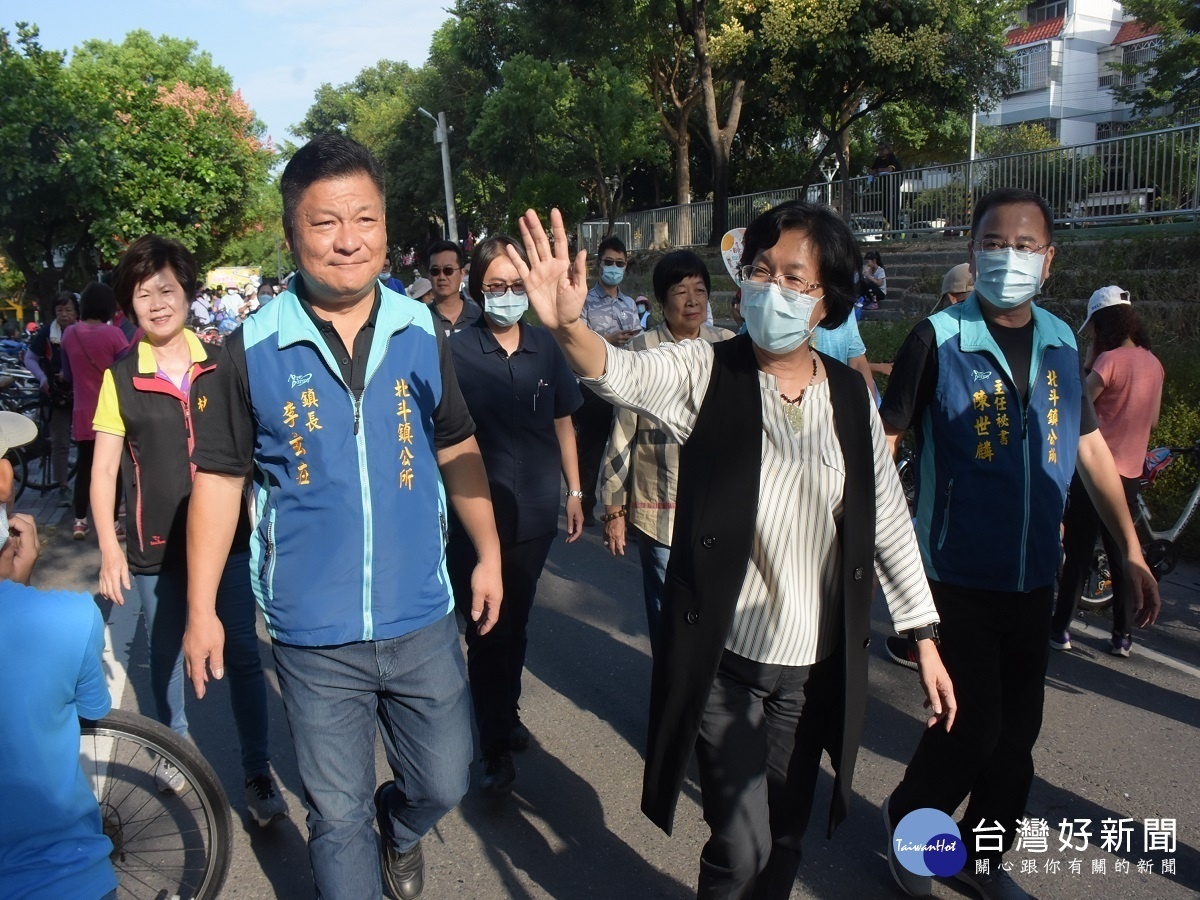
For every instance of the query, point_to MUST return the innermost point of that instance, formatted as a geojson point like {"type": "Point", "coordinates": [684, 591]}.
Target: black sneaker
{"type": "Point", "coordinates": [518, 738]}
{"type": "Point", "coordinates": [498, 774]}
{"type": "Point", "coordinates": [901, 651]}
{"type": "Point", "coordinates": [403, 873]}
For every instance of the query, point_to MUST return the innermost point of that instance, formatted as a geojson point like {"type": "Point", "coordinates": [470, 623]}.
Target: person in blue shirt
{"type": "Point", "coordinates": [52, 843]}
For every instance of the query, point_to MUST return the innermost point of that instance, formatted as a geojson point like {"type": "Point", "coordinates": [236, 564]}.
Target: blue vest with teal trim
{"type": "Point", "coordinates": [993, 471]}
{"type": "Point", "coordinates": [350, 542]}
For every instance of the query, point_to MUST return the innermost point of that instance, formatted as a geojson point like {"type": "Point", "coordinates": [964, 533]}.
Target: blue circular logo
{"type": "Point", "coordinates": [927, 842]}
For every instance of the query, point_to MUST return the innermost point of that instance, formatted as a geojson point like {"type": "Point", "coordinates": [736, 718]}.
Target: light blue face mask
{"type": "Point", "coordinates": [1007, 278]}
{"type": "Point", "coordinates": [612, 275]}
{"type": "Point", "coordinates": [507, 308]}
{"type": "Point", "coordinates": [777, 318]}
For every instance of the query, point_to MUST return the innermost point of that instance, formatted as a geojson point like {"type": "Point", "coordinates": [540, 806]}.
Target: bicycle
{"type": "Point", "coordinates": [166, 846]}
{"type": "Point", "coordinates": [33, 464]}
{"type": "Point", "coordinates": [1158, 547]}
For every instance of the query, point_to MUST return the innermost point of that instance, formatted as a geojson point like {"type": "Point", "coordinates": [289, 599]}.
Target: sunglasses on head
{"type": "Point", "coordinates": [435, 271]}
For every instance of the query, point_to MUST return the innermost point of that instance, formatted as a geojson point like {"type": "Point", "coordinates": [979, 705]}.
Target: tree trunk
{"type": "Point", "coordinates": [845, 203]}
{"type": "Point", "coordinates": [720, 136]}
{"type": "Point", "coordinates": [683, 188]}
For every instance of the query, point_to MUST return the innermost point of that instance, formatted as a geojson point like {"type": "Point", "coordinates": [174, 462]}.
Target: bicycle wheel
{"type": "Point", "coordinates": [174, 845]}
{"type": "Point", "coordinates": [908, 481]}
{"type": "Point", "coordinates": [1097, 590]}
{"type": "Point", "coordinates": [20, 472]}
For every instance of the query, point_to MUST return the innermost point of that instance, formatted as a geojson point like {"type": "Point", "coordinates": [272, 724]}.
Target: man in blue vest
{"type": "Point", "coordinates": [993, 388]}
{"type": "Point", "coordinates": [339, 401]}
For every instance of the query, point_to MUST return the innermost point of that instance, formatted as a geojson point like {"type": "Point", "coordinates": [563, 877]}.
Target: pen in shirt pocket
{"type": "Point", "coordinates": [541, 384]}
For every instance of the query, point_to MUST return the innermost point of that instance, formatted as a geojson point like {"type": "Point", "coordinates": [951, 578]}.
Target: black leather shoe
{"type": "Point", "coordinates": [403, 873]}
{"type": "Point", "coordinates": [498, 774]}
{"type": "Point", "coordinates": [518, 738]}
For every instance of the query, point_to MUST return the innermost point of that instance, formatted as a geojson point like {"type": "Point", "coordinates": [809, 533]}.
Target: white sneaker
{"type": "Point", "coordinates": [168, 778]}
{"type": "Point", "coordinates": [264, 801]}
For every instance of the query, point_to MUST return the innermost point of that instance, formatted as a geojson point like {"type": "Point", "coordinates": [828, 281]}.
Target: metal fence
{"type": "Point", "coordinates": [1148, 177]}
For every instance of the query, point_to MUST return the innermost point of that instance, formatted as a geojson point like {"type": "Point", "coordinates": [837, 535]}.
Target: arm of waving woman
{"type": "Point", "coordinates": [467, 489]}
{"type": "Point", "coordinates": [212, 520]}
{"type": "Point", "coordinates": [902, 578]}
{"type": "Point", "coordinates": [557, 288]}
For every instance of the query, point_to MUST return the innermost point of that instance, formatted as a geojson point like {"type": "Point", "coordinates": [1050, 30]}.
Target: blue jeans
{"type": "Point", "coordinates": [164, 604]}
{"type": "Point", "coordinates": [654, 579]}
{"type": "Point", "coordinates": [415, 686]}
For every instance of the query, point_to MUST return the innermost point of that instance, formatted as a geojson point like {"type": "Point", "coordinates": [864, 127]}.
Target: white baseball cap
{"type": "Point", "coordinates": [1110, 295]}
{"type": "Point", "coordinates": [16, 430]}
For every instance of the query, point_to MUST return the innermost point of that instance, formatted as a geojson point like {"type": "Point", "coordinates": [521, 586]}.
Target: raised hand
{"type": "Point", "coordinates": [556, 286]}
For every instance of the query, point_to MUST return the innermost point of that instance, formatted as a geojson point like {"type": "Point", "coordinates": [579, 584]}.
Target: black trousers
{"type": "Point", "coordinates": [995, 649]}
{"type": "Point", "coordinates": [496, 660]}
{"type": "Point", "coordinates": [593, 422]}
{"type": "Point", "coordinates": [1081, 523]}
{"type": "Point", "coordinates": [759, 750]}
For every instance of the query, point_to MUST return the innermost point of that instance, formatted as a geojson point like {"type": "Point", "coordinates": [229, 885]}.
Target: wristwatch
{"type": "Point", "coordinates": [925, 632]}
{"type": "Point", "coordinates": [578, 495]}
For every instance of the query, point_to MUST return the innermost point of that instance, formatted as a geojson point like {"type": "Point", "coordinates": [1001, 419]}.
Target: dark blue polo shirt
{"type": "Point", "coordinates": [514, 401]}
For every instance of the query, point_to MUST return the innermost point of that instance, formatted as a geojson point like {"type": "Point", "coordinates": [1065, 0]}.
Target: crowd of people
{"type": "Point", "coordinates": [374, 464]}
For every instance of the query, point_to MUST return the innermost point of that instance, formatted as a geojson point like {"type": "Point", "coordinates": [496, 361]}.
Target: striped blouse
{"type": "Point", "coordinates": [787, 609]}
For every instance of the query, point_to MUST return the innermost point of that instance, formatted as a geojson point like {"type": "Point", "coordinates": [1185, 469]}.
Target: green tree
{"type": "Point", "coordinates": [143, 136]}
{"type": "Point", "coordinates": [261, 241]}
{"type": "Point", "coordinates": [1172, 79]}
{"type": "Point", "coordinates": [832, 63]}
{"type": "Point", "coordinates": [591, 128]}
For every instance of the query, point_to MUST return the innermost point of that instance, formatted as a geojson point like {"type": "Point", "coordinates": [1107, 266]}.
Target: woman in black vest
{"type": "Point", "coordinates": [143, 425]}
{"type": "Point", "coordinates": [787, 493]}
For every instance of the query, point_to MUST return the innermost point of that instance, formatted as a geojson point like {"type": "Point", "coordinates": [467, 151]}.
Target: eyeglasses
{"type": "Point", "coordinates": [499, 287]}
{"type": "Point", "coordinates": [990, 245]}
{"type": "Point", "coordinates": [435, 271]}
{"type": "Point", "coordinates": [760, 275]}
{"type": "Point", "coordinates": [619, 263]}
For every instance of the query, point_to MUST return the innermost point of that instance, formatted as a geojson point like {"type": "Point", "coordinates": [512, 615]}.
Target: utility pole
{"type": "Point", "coordinates": [441, 135]}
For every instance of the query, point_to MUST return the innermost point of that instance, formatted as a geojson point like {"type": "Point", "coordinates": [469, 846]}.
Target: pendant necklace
{"type": "Point", "coordinates": [791, 406]}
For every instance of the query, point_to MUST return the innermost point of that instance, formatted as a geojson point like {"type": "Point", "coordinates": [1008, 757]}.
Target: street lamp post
{"type": "Point", "coordinates": [613, 184]}
{"type": "Point", "coordinates": [441, 135]}
{"type": "Point", "coordinates": [829, 168]}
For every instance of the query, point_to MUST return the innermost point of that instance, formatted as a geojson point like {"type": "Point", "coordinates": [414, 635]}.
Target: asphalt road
{"type": "Point", "coordinates": [1119, 740]}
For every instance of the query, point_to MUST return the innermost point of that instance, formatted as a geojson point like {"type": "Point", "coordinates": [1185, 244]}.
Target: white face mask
{"type": "Point", "coordinates": [1007, 278]}
{"type": "Point", "coordinates": [777, 318]}
{"type": "Point", "coordinates": [507, 308]}
{"type": "Point", "coordinates": [4, 531]}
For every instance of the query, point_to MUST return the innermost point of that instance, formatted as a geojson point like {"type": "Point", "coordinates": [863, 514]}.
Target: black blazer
{"type": "Point", "coordinates": [716, 506]}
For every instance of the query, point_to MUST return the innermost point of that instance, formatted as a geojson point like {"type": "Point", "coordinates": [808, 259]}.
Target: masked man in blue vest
{"type": "Point", "coordinates": [338, 400]}
{"type": "Point", "coordinates": [993, 388]}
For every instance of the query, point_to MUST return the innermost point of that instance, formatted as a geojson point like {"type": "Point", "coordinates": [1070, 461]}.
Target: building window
{"type": "Point", "coordinates": [1041, 10]}
{"type": "Point", "coordinates": [1139, 53]}
{"type": "Point", "coordinates": [1032, 67]}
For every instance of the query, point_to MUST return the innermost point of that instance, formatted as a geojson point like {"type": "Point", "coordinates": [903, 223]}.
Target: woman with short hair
{"type": "Point", "coordinates": [787, 496]}
{"type": "Point", "coordinates": [521, 394]}
{"type": "Point", "coordinates": [143, 426]}
{"type": "Point", "coordinates": [641, 465]}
